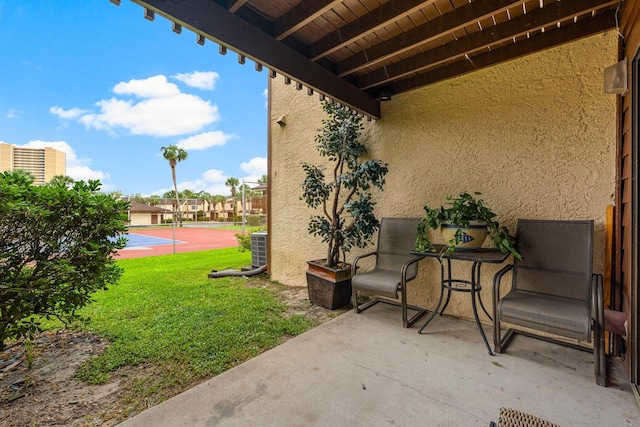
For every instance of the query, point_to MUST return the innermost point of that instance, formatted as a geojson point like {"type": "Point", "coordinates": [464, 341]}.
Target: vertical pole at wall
{"type": "Point", "coordinates": [243, 192]}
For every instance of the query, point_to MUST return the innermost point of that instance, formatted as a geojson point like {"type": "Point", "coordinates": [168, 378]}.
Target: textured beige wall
{"type": "Point", "coordinates": [536, 136]}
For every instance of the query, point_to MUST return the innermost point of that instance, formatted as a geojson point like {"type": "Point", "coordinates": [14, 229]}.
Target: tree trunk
{"type": "Point", "coordinates": [175, 188]}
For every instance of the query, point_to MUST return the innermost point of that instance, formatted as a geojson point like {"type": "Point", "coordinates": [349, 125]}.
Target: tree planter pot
{"type": "Point", "coordinates": [328, 287]}
{"type": "Point", "coordinates": [471, 238]}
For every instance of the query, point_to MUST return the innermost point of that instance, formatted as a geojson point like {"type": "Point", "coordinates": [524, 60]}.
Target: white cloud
{"type": "Point", "coordinates": [79, 172]}
{"type": "Point", "coordinates": [72, 113]}
{"type": "Point", "coordinates": [153, 87]}
{"type": "Point", "coordinates": [205, 140]}
{"type": "Point", "coordinates": [199, 79]}
{"type": "Point", "coordinates": [13, 114]}
{"type": "Point", "coordinates": [162, 111]}
{"type": "Point", "coordinates": [77, 169]}
{"type": "Point", "coordinates": [214, 175]}
{"type": "Point", "coordinates": [255, 167]}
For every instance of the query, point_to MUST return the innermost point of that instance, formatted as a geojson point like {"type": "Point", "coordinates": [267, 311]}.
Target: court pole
{"type": "Point", "coordinates": [174, 236]}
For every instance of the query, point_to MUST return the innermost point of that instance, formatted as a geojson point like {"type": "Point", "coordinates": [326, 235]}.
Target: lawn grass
{"type": "Point", "coordinates": [167, 314]}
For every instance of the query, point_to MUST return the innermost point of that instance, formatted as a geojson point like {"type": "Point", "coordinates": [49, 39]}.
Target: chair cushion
{"type": "Point", "coordinates": [556, 315]}
{"type": "Point", "coordinates": [378, 281]}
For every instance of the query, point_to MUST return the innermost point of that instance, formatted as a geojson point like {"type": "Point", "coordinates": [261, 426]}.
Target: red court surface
{"type": "Point", "coordinates": [194, 239]}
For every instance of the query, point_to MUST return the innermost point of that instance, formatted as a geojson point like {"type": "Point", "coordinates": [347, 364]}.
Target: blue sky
{"type": "Point", "coordinates": [110, 88]}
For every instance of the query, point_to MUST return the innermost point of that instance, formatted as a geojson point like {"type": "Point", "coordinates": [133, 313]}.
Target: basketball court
{"type": "Point", "coordinates": [143, 242]}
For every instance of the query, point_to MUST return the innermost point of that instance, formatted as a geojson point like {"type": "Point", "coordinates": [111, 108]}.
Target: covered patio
{"type": "Point", "coordinates": [366, 369]}
{"type": "Point", "coordinates": [514, 86]}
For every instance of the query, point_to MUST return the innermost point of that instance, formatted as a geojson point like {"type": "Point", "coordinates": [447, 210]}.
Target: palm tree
{"type": "Point", "coordinates": [175, 155]}
{"type": "Point", "coordinates": [61, 181]}
{"type": "Point", "coordinates": [153, 200]}
{"type": "Point", "coordinates": [233, 183]}
{"type": "Point", "coordinates": [137, 198]}
{"type": "Point", "coordinates": [117, 194]}
{"type": "Point", "coordinates": [205, 197]}
{"type": "Point", "coordinates": [25, 173]}
{"type": "Point", "coordinates": [263, 179]}
{"type": "Point", "coordinates": [189, 194]}
{"type": "Point", "coordinates": [215, 199]}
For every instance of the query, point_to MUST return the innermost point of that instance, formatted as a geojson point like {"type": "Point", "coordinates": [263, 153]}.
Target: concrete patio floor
{"type": "Point", "coordinates": [366, 370]}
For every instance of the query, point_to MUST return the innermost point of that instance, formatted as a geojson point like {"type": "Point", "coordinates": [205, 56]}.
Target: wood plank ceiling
{"type": "Point", "coordinates": [359, 51]}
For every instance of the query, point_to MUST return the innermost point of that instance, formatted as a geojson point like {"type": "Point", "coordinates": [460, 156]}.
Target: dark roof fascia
{"type": "Point", "coordinates": [207, 18]}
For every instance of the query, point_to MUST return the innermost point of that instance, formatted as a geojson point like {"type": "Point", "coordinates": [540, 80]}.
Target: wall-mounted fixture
{"type": "Point", "coordinates": [281, 121]}
{"type": "Point", "coordinates": [615, 78]}
{"type": "Point", "coordinates": [384, 96]}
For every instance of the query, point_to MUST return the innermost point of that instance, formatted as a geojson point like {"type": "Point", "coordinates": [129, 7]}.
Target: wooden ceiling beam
{"type": "Point", "coordinates": [518, 26]}
{"type": "Point", "coordinates": [301, 15]}
{"type": "Point", "coordinates": [374, 20]}
{"type": "Point", "coordinates": [537, 43]}
{"type": "Point", "coordinates": [234, 5]}
{"type": "Point", "coordinates": [424, 33]}
{"type": "Point", "coordinates": [216, 23]}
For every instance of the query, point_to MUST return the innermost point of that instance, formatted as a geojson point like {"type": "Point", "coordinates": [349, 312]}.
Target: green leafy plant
{"type": "Point", "coordinates": [460, 211]}
{"type": "Point", "coordinates": [244, 239]}
{"type": "Point", "coordinates": [56, 248]}
{"type": "Point", "coordinates": [344, 195]}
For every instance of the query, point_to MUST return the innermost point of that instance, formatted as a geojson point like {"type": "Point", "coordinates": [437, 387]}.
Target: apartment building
{"type": "Point", "coordinates": [43, 163]}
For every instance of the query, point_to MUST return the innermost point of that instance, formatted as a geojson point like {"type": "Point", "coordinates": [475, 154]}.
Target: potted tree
{"type": "Point", "coordinates": [464, 223]}
{"type": "Point", "coordinates": [344, 201]}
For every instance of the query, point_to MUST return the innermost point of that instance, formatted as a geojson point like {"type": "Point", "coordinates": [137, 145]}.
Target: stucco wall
{"type": "Point", "coordinates": [536, 136]}
{"type": "Point", "coordinates": [143, 218]}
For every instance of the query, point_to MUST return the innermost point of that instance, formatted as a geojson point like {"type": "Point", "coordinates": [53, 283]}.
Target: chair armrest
{"type": "Point", "coordinates": [406, 265]}
{"type": "Point", "coordinates": [358, 258]}
{"type": "Point", "coordinates": [497, 278]}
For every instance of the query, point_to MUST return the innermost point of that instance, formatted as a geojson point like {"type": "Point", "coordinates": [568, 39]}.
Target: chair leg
{"type": "Point", "coordinates": [497, 344]}
{"type": "Point", "coordinates": [403, 296]}
{"type": "Point", "coordinates": [500, 342]}
{"type": "Point", "coordinates": [600, 359]}
{"type": "Point", "coordinates": [600, 367]}
{"type": "Point", "coordinates": [354, 300]}
{"type": "Point", "coordinates": [406, 321]}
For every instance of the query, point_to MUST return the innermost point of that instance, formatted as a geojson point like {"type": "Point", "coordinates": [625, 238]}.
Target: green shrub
{"type": "Point", "coordinates": [56, 249]}
{"type": "Point", "coordinates": [255, 220]}
{"type": "Point", "coordinates": [244, 241]}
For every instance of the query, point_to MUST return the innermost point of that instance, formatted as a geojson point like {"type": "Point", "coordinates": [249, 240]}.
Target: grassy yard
{"type": "Point", "coordinates": [183, 327]}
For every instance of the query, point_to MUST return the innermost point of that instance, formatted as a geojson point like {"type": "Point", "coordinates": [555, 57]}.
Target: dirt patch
{"type": "Point", "coordinates": [49, 395]}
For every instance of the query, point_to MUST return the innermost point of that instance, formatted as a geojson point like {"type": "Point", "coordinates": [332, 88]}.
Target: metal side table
{"type": "Point", "coordinates": [477, 258]}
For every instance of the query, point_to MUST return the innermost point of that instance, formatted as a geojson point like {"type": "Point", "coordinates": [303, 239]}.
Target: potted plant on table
{"type": "Point", "coordinates": [343, 197]}
{"type": "Point", "coordinates": [464, 223]}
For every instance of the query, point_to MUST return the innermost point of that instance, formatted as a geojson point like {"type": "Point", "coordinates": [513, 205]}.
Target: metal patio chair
{"type": "Point", "coordinates": [394, 268]}
{"type": "Point", "coordinates": [553, 289]}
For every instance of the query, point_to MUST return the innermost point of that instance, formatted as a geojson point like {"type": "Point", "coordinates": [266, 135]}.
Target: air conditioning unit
{"type": "Point", "coordinates": [258, 249]}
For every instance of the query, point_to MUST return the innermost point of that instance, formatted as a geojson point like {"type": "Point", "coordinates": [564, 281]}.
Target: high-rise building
{"type": "Point", "coordinates": [43, 163]}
